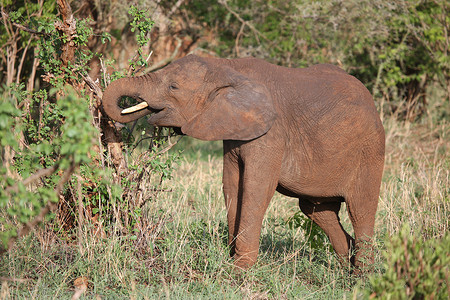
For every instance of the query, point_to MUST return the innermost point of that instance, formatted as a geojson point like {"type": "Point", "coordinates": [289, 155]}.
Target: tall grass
{"type": "Point", "coordinates": [184, 253]}
{"type": "Point", "coordinates": [416, 185]}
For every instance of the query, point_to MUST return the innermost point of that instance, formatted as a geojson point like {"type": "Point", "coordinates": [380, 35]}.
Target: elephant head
{"type": "Point", "coordinates": [206, 98]}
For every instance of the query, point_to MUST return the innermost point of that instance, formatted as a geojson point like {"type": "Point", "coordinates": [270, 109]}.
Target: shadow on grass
{"type": "Point", "coordinates": [282, 245]}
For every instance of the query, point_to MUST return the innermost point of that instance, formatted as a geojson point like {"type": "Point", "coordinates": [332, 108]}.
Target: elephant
{"type": "Point", "coordinates": [311, 133]}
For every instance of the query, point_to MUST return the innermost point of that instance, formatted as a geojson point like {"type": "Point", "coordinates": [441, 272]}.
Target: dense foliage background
{"type": "Point", "coordinates": [86, 187]}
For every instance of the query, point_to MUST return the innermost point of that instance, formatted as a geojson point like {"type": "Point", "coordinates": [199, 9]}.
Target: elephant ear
{"type": "Point", "coordinates": [242, 110]}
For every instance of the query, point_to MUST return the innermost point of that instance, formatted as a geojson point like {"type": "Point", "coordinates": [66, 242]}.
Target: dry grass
{"type": "Point", "coordinates": [415, 189]}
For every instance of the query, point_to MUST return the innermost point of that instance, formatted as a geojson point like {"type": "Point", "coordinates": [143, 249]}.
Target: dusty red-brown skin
{"type": "Point", "coordinates": [311, 133]}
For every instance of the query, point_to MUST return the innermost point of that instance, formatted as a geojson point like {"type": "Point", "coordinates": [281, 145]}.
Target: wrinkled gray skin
{"type": "Point", "coordinates": [311, 133]}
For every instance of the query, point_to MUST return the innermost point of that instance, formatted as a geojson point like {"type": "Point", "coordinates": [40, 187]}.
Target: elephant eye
{"type": "Point", "coordinates": [173, 87]}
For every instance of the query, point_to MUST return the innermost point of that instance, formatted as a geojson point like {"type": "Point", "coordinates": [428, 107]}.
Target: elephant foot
{"type": "Point", "coordinates": [363, 259]}
{"type": "Point", "coordinates": [243, 262]}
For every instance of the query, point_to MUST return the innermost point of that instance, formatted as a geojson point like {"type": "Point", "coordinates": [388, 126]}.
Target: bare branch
{"type": "Point", "coordinates": [22, 60]}
{"type": "Point", "coordinates": [93, 85]}
{"type": "Point", "coordinates": [174, 8]}
{"type": "Point", "coordinates": [30, 83]}
{"type": "Point", "coordinates": [5, 18]}
{"type": "Point", "coordinates": [249, 25]}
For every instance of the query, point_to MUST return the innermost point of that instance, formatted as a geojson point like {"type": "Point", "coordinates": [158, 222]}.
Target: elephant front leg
{"type": "Point", "coordinates": [231, 179]}
{"type": "Point", "coordinates": [258, 181]}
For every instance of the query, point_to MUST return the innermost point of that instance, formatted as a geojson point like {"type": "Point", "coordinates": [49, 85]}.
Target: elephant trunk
{"type": "Point", "coordinates": [124, 87]}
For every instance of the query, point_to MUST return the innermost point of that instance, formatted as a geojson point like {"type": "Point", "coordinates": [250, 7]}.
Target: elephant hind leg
{"type": "Point", "coordinates": [325, 215]}
{"type": "Point", "coordinates": [363, 222]}
{"type": "Point", "coordinates": [362, 202]}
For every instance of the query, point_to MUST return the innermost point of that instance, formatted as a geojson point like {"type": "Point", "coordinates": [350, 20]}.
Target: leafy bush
{"type": "Point", "coordinates": [415, 268]}
{"type": "Point", "coordinates": [54, 157]}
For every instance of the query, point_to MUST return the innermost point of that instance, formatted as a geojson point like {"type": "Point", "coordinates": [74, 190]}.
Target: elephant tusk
{"type": "Point", "coordinates": [137, 107]}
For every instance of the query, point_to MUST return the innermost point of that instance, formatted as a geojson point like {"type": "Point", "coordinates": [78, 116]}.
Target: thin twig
{"type": "Point", "coordinates": [168, 147]}
{"type": "Point", "coordinates": [40, 173]}
{"type": "Point", "coordinates": [146, 60]}
{"type": "Point", "coordinates": [152, 137]}
{"type": "Point", "coordinates": [80, 213]}
{"type": "Point", "coordinates": [164, 62]}
{"type": "Point", "coordinates": [236, 46]}
{"type": "Point", "coordinates": [21, 27]}
{"type": "Point", "coordinates": [248, 24]}
{"type": "Point", "coordinates": [26, 228]}
{"type": "Point", "coordinates": [174, 8]}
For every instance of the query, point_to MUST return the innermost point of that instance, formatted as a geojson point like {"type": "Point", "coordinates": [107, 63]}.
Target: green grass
{"type": "Point", "coordinates": [184, 255]}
